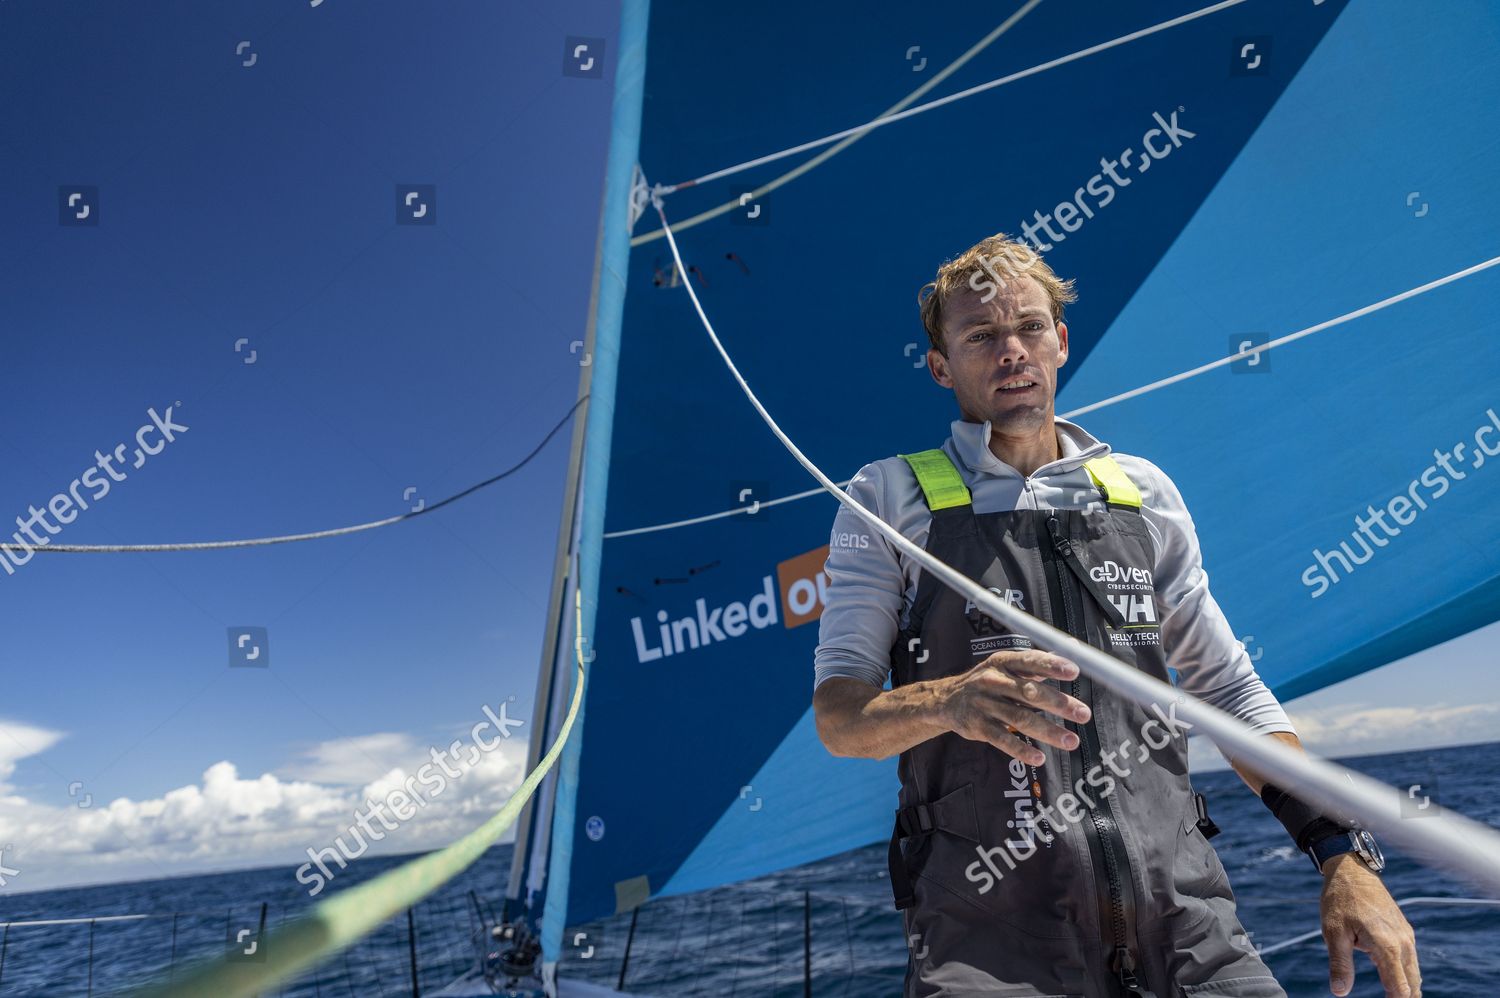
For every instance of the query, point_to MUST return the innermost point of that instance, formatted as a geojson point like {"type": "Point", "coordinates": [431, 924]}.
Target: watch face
{"type": "Point", "coordinates": [1368, 850]}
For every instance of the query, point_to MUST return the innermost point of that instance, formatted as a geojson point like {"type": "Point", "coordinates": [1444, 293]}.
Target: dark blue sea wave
{"type": "Point", "coordinates": [748, 939]}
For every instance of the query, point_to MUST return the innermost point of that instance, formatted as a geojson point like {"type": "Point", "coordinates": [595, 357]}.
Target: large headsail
{"type": "Point", "coordinates": [1236, 177]}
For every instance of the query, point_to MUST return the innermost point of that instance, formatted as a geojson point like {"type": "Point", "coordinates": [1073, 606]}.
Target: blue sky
{"type": "Point", "coordinates": [259, 202]}
{"type": "Point", "coordinates": [248, 192]}
{"type": "Point", "coordinates": [1446, 695]}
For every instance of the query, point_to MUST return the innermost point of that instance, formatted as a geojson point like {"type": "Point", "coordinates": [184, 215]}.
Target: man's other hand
{"type": "Point", "coordinates": [1359, 913]}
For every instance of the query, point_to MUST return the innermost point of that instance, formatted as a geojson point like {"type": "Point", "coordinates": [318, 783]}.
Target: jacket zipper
{"type": "Point", "coordinates": [1106, 842]}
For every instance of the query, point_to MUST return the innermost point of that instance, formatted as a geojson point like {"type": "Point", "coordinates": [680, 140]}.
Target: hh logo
{"type": "Point", "coordinates": [1136, 608]}
{"type": "Point", "coordinates": [803, 587]}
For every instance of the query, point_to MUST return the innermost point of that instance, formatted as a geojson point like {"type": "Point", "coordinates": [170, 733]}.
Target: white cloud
{"type": "Point", "coordinates": [226, 821]}
{"type": "Point", "coordinates": [354, 761]}
{"type": "Point", "coordinates": [17, 741]}
{"type": "Point", "coordinates": [1359, 728]}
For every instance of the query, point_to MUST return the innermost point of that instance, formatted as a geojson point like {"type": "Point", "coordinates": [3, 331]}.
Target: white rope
{"type": "Point", "coordinates": [1346, 317]}
{"type": "Point", "coordinates": [1446, 839]}
{"type": "Point", "coordinates": [251, 542]}
{"type": "Point", "coordinates": [248, 542]}
{"type": "Point", "coordinates": [737, 511]}
{"type": "Point", "coordinates": [941, 101]}
{"type": "Point", "coordinates": [832, 151]}
{"type": "Point", "coordinates": [83, 921]}
{"type": "Point", "coordinates": [1134, 392]}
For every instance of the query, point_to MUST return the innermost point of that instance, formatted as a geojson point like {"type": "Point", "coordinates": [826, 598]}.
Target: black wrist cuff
{"type": "Point", "coordinates": [1304, 824]}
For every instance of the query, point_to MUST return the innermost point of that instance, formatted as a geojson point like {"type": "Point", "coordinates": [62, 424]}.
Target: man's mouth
{"type": "Point", "coordinates": [1018, 386]}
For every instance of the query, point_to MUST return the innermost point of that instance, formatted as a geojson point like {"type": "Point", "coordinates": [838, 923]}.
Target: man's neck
{"type": "Point", "coordinates": [1029, 454]}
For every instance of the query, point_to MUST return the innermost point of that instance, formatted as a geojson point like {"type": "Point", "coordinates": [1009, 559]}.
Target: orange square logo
{"type": "Point", "coordinates": [803, 584]}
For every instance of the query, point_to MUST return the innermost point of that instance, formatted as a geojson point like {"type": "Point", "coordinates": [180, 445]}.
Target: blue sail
{"type": "Point", "coordinates": [1290, 165]}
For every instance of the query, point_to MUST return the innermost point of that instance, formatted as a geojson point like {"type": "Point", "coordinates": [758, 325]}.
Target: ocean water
{"type": "Point", "coordinates": [747, 939]}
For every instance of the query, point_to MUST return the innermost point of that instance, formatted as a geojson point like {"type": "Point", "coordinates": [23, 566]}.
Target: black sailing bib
{"type": "Point", "coordinates": [1087, 875]}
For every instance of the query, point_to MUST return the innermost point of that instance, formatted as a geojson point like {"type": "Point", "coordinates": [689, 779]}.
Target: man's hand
{"type": "Point", "coordinates": [1004, 694]}
{"type": "Point", "coordinates": [1359, 913]}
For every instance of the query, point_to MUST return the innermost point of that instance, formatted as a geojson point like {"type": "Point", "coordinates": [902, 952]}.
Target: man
{"type": "Point", "coordinates": [1032, 857]}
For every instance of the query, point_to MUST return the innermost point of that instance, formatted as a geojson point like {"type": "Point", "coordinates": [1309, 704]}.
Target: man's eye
{"type": "Point", "coordinates": [975, 338]}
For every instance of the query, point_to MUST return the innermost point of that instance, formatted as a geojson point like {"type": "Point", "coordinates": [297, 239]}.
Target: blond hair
{"type": "Point", "coordinates": [997, 259]}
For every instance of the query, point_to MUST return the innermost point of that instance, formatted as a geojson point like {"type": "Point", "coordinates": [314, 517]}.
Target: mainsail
{"type": "Point", "coordinates": [1316, 169]}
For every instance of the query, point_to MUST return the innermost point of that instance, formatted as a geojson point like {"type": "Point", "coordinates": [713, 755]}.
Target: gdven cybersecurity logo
{"type": "Point", "coordinates": [795, 597]}
{"type": "Point", "coordinates": [1131, 591]}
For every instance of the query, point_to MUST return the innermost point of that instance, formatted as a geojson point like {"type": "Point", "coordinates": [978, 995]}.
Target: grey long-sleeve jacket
{"type": "Point", "coordinates": [871, 586]}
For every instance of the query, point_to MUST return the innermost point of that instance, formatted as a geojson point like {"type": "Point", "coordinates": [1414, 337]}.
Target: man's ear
{"type": "Point", "coordinates": [937, 366]}
{"type": "Point", "coordinates": [1062, 343]}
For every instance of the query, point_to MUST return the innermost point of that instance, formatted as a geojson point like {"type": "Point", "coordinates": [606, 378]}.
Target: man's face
{"type": "Point", "coordinates": [1007, 340]}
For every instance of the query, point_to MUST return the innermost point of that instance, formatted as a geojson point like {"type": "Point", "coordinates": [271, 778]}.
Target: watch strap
{"type": "Point", "coordinates": [1324, 848]}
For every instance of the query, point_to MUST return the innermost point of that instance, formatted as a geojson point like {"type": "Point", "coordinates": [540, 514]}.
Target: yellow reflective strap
{"type": "Point", "coordinates": [1117, 486]}
{"type": "Point", "coordinates": [941, 483]}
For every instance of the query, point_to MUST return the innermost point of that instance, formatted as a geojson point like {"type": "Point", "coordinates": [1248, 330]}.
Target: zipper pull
{"type": "Point", "coordinates": [1059, 543]}
{"type": "Point", "coordinates": [1124, 963]}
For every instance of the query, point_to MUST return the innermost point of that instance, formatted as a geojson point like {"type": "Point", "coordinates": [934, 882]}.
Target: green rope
{"type": "Point", "coordinates": [348, 916]}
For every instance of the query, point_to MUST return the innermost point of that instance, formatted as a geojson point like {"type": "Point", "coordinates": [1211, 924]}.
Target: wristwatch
{"type": "Point", "coordinates": [1355, 840]}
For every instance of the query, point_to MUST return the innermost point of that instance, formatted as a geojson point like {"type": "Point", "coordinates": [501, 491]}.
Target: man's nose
{"type": "Point", "coordinates": [1010, 349]}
